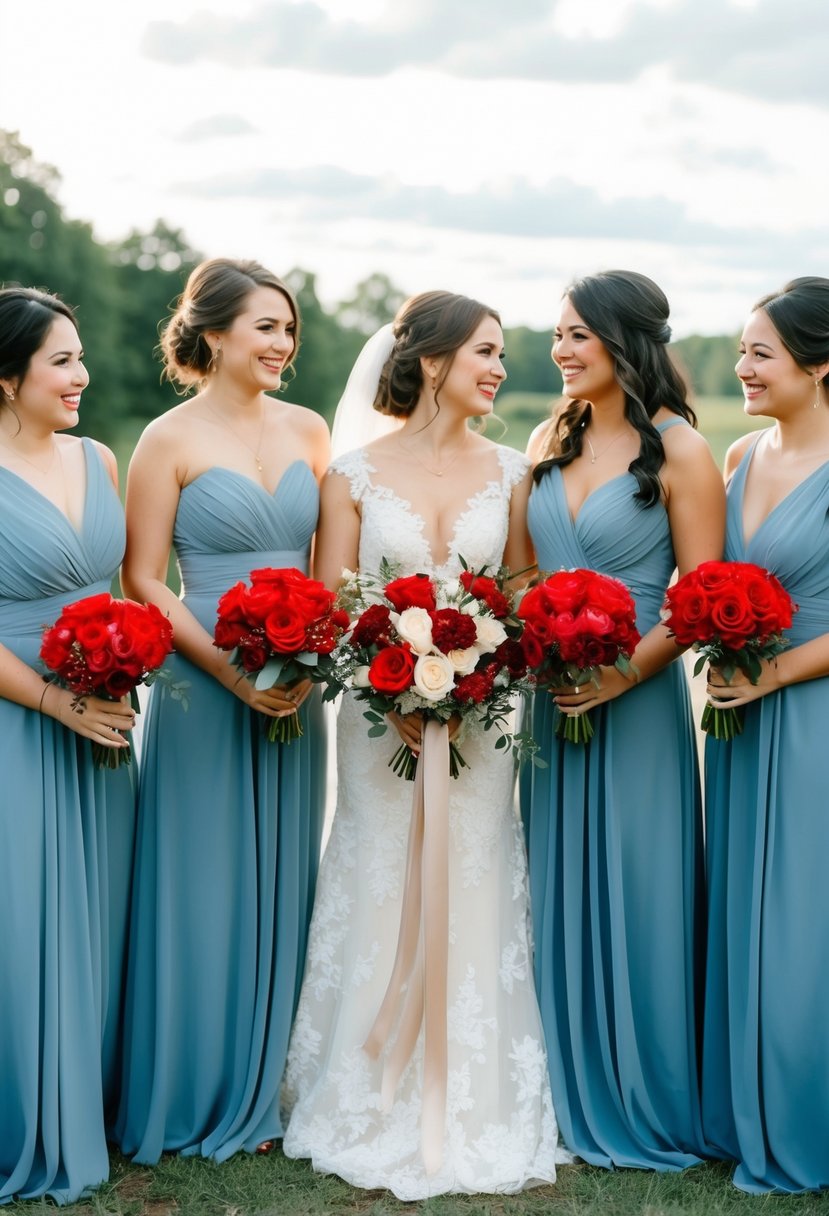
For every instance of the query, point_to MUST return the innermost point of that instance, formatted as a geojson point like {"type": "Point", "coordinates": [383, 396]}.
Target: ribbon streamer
{"type": "Point", "coordinates": [422, 956]}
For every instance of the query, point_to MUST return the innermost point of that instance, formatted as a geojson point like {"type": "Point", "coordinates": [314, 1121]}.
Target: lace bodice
{"type": "Point", "coordinates": [392, 529]}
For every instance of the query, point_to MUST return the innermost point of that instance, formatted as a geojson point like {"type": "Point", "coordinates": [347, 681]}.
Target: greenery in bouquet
{"type": "Point", "coordinates": [443, 648]}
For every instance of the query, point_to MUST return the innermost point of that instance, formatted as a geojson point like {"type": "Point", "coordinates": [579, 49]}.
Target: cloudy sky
{"type": "Point", "coordinates": [493, 147]}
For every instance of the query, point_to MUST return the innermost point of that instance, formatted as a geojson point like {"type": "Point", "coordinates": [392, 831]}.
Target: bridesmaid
{"type": "Point", "coordinates": [229, 824]}
{"type": "Point", "coordinates": [766, 1050]}
{"type": "Point", "coordinates": [626, 486]}
{"type": "Point", "coordinates": [66, 827]}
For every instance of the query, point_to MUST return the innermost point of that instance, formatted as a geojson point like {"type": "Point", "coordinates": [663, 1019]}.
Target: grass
{"type": "Point", "coordinates": [274, 1186]}
{"type": "Point", "coordinates": [721, 419]}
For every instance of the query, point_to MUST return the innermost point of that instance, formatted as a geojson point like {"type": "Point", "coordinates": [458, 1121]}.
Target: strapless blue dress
{"type": "Point", "coordinates": [229, 830]}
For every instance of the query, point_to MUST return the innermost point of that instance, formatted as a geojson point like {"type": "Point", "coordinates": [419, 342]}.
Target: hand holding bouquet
{"type": "Point", "coordinates": [105, 648]}
{"type": "Point", "coordinates": [575, 622]}
{"type": "Point", "coordinates": [280, 630]}
{"type": "Point", "coordinates": [442, 648]}
{"type": "Point", "coordinates": [733, 615]}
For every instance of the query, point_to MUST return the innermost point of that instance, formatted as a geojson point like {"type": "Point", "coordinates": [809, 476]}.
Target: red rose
{"type": "Point", "coordinates": [565, 591]}
{"type": "Point", "coordinates": [254, 656]}
{"type": "Point", "coordinates": [99, 661]}
{"type": "Point", "coordinates": [533, 649]}
{"type": "Point", "coordinates": [285, 630]}
{"type": "Point", "coordinates": [227, 635]}
{"type": "Point", "coordinates": [689, 605]}
{"type": "Point", "coordinates": [414, 591]}
{"type": "Point", "coordinates": [233, 604]}
{"type": "Point", "coordinates": [487, 590]}
{"type": "Point", "coordinates": [715, 575]}
{"type": "Point", "coordinates": [452, 630]}
{"type": "Point", "coordinates": [261, 601]}
{"type": "Point", "coordinates": [732, 617]}
{"type": "Point", "coordinates": [118, 684]}
{"type": "Point", "coordinates": [87, 608]}
{"type": "Point", "coordinates": [392, 670]}
{"type": "Point", "coordinates": [92, 634]}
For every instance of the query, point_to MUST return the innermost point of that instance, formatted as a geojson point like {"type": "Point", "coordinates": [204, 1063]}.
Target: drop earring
{"type": "Point", "coordinates": [217, 358]}
{"type": "Point", "coordinates": [817, 393]}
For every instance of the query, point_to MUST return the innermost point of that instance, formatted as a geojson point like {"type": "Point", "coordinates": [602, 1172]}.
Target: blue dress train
{"type": "Point", "coordinates": [229, 830]}
{"type": "Point", "coordinates": [614, 836]}
{"type": "Point", "coordinates": [766, 1048]}
{"type": "Point", "coordinates": [66, 838]}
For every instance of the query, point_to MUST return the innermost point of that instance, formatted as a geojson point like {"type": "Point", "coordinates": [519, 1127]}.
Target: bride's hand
{"type": "Point", "coordinates": [409, 727]}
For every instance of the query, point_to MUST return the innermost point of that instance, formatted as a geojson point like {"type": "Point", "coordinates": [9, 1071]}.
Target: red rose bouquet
{"type": "Point", "coordinates": [576, 621]}
{"type": "Point", "coordinates": [105, 648]}
{"type": "Point", "coordinates": [280, 630]}
{"type": "Point", "coordinates": [440, 648]}
{"type": "Point", "coordinates": [733, 615]}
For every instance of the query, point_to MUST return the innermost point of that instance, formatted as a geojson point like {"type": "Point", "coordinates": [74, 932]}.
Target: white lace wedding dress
{"type": "Point", "coordinates": [501, 1133]}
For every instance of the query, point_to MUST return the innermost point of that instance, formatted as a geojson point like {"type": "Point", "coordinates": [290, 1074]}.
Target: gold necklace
{"type": "Point", "coordinates": [43, 472]}
{"type": "Point", "coordinates": [428, 468]}
{"type": "Point", "coordinates": [594, 455]}
{"type": "Point", "coordinates": [252, 450]}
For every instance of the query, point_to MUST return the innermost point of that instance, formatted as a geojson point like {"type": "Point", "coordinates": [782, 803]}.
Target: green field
{"type": "Point", "coordinates": [721, 419]}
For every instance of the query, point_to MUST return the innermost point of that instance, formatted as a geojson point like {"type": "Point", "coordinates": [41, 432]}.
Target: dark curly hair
{"type": "Point", "coordinates": [434, 323]}
{"type": "Point", "coordinates": [629, 314]}
{"type": "Point", "coordinates": [213, 297]}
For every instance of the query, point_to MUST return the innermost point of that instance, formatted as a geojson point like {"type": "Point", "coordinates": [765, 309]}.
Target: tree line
{"type": "Point", "coordinates": [123, 289]}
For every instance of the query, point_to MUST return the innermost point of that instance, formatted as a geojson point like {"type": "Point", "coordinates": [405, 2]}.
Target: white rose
{"type": "Point", "coordinates": [415, 627]}
{"type": "Point", "coordinates": [360, 678]}
{"type": "Point", "coordinates": [464, 661]}
{"type": "Point", "coordinates": [434, 676]}
{"type": "Point", "coordinates": [491, 634]}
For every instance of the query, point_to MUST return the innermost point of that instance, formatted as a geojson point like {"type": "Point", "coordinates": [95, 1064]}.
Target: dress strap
{"type": "Point", "coordinates": [665, 426]}
{"type": "Point", "coordinates": [355, 466]}
{"type": "Point", "coordinates": [514, 466]}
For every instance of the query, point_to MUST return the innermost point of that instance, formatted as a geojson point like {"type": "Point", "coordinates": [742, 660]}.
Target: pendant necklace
{"type": "Point", "coordinates": [43, 472]}
{"type": "Point", "coordinates": [594, 455]}
{"type": "Point", "coordinates": [254, 451]}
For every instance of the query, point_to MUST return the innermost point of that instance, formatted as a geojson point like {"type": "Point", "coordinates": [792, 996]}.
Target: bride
{"type": "Point", "coordinates": [427, 493]}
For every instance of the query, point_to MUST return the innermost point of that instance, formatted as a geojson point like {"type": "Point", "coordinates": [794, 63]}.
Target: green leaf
{"type": "Point", "coordinates": [270, 673]}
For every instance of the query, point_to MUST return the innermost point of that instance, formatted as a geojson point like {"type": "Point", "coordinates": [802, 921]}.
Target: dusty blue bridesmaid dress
{"type": "Point", "coordinates": [228, 842]}
{"type": "Point", "coordinates": [66, 837]}
{"type": "Point", "coordinates": [615, 852]}
{"type": "Point", "coordinates": [766, 1046]}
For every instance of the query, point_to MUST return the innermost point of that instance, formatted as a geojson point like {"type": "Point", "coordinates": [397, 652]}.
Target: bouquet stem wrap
{"type": "Point", "coordinates": [422, 957]}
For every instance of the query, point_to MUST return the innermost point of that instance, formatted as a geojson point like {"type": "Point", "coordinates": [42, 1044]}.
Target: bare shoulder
{"type": "Point", "coordinates": [304, 418]}
{"type": "Point", "coordinates": [539, 441]}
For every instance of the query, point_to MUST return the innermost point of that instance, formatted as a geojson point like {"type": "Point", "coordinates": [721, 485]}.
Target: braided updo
{"type": "Point", "coordinates": [433, 324]}
{"type": "Point", "coordinates": [214, 296]}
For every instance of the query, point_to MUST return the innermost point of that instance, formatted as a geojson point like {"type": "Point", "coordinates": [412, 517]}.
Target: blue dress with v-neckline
{"type": "Point", "coordinates": [229, 830]}
{"type": "Point", "coordinates": [614, 836]}
{"type": "Point", "coordinates": [766, 1050]}
{"type": "Point", "coordinates": [66, 839]}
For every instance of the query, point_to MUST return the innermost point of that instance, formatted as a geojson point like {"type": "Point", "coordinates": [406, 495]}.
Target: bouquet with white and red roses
{"type": "Point", "coordinates": [280, 630]}
{"type": "Point", "coordinates": [440, 647]}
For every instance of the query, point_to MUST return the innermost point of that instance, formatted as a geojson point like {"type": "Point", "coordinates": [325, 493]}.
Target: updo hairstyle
{"type": "Point", "coordinates": [214, 296]}
{"type": "Point", "coordinates": [433, 324]}
{"type": "Point", "coordinates": [629, 313]}
{"type": "Point", "coordinates": [800, 314]}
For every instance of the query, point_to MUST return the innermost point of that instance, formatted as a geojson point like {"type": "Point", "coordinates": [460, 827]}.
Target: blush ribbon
{"type": "Point", "coordinates": [422, 957]}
